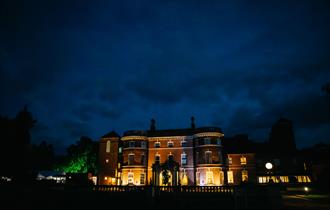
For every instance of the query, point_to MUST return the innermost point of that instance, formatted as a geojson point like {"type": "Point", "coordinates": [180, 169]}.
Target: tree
{"type": "Point", "coordinates": [81, 157]}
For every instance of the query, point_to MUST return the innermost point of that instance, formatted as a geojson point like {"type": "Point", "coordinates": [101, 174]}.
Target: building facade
{"type": "Point", "coordinates": [193, 156]}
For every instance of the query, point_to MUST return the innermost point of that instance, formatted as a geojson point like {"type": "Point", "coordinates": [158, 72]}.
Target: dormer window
{"type": "Point", "coordinates": [157, 144]}
{"type": "Point", "coordinates": [170, 144]}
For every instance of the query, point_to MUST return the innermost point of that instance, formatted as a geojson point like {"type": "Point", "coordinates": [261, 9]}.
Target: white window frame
{"type": "Point", "coordinates": [142, 178]}
{"type": "Point", "coordinates": [184, 143]}
{"type": "Point", "coordinates": [130, 178]}
{"type": "Point", "coordinates": [170, 143]}
{"type": "Point", "coordinates": [157, 143]}
{"type": "Point", "coordinates": [108, 147]}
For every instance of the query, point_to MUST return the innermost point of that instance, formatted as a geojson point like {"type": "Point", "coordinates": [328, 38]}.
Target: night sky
{"type": "Point", "coordinates": [89, 67]}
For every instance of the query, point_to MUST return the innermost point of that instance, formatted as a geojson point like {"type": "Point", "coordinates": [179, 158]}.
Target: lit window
{"type": "Point", "coordinates": [245, 176]}
{"type": "Point", "coordinates": [230, 160]}
{"type": "Point", "coordinates": [130, 159]}
{"type": "Point", "coordinates": [157, 144]}
{"type": "Point", "coordinates": [120, 149]}
{"type": "Point", "coordinates": [207, 140]}
{"type": "Point", "coordinates": [107, 150]}
{"type": "Point", "coordinates": [157, 159]}
{"type": "Point", "coordinates": [142, 178]}
{"type": "Point", "coordinates": [105, 178]}
{"type": "Point", "coordinates": [230, 177]}
{"type": "Point", "coordinates": [183, 143]}
{"type": "Point", "coordinates": [170, 144]}
{"type": "Point", "coordinates": [107, 160]}
{"type": "Point", "coordinates": [144, 144]}
{"type": "Point", "coordinates": [130, 178]}
{"type": "Point", "coordinates": [243, 160]}
{"type": "Point", "coordinates": [131, 144]}
{"type": "Point", "coordinates": [209, 177]}
{"type": "Point", "coordinates": [208, 157]}
{"type": "Point", "coordinates": [184, 159]}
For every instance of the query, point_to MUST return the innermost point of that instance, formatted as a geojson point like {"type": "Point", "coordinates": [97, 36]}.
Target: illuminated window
{"type": "Point", "coordinates": [209, 177]}
{"type": "Point", "coordinates": [230, 177]}
{"type": "Point", "coordinates": [208, 157]}
{"type": "Point", "coordinates": [107, 160]}
{"type": "Point", "coordinates": [131, 144]}
{"type": "Point", "coordinates": [120, 149]}
{"type": "Point", "coordinates": [157, 159]}
{"type": "Point", "coordinates": [198, 177]}
{"type": "Point", "coordinates": [107, 150]}
{"type": "Point", "coordinates": [130, 159]}
{"type": "Point", "coordinates": [142, 178]}
{"type": "Point", "coordinates": [183, 143]}
{"type": "Point", "coordinates": [218, 141]}
{"type": "Point", "coordinates": [245, 176]}
{"type": "Point", "coordinates": [130, 178]}
{"type": "Point", "coordinates": [243, 160]}
{"type": "Point", "coordinates": [207, 140]}
{"type": "Point", "coordinates": [184, 178]}
{"type": "Point", "coordinates": [230, 160]}
{"type": "Point", "coordinates": [170, 144]}
{"type": "Point", "coordinates": [157, 144]}
{"type": "Point", "coordinates": [184, 159]}
{"type": "Point", "coordinates": [144, 144]}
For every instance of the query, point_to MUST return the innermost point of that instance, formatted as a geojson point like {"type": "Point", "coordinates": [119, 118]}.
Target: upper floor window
{"type": "Point", "coordinates": [183, 143]}
{"type": "Point", "coordinates": [131, 159]}
{"type": "Point", "coordinates": [170, 157]}
{"type": "Point", "coordinates": [218, 141]}
{"type": "Point", "coordinates": [157, 159]}
{"type": "Point", "coordinates": [107, 150]}
{"type": "Point", "coordinates": [230, 160]}
{"type": "Point", "coordinates": [208, 157]}
{"type": "Point", "coordinates": [207, 140]}
{"type": "Point", "coordinates": [243, 160]}
{"type": "Point", "coordinates": [184, 159]}
{"type": "Point", "coordinates": [120, 149]}
{"type": "Point", "coordinates": [230, 177]}
{"type": "Point", "coordinates": [143, 159]}
{"type": "Point", "coordinates": [157, 144]}
{"type": "Point", "coordinates": [131, 144]}
{"type": "Point", "coordinates": [144, 144]}
{"type": "Point", "coordinates": [170, 144]}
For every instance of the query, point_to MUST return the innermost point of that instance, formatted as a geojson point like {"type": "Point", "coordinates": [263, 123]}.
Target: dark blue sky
{"type": "Point", "coordinates": [87, 67]}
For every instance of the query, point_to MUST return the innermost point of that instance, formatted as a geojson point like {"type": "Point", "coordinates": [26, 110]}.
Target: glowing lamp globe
{"type": "Point", "coordinates": [269, 166]}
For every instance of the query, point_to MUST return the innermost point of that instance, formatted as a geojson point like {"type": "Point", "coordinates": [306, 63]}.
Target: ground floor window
{"type": "Point", "coordinates": [142, 178]}
{"type": "Point", "coordinates": [245, 176]}
{"type": "Point", "coordinates": [230, 177]}
{"type": "Point", "coordinates": [209, 177]}
{"type": "Point", "coordinates": [130, 178]}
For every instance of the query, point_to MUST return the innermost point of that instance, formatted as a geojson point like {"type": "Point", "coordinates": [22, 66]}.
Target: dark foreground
{"type": "Point", "coordinates": [48, 198]}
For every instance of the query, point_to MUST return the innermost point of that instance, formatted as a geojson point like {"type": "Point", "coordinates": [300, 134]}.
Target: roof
{"type": "Point", "coordinates": [172, 132]}
{"type": "Point", "coordinates": [111, 134]}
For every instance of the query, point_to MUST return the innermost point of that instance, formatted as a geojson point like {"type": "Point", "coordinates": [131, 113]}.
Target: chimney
{"type": "Point", "coordinates": [153, 124]}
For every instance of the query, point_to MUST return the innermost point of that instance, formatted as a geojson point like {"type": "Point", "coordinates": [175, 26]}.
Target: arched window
{"type": "Point", "coordinates": [107, 150]}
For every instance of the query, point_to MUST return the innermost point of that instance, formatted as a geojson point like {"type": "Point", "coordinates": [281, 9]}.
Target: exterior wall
{"type": "Point", "coordinates": [108, 161]}
{"type": "Point", "coordinates": [237, 167]}
{"type": "Point", "coordinates": [137, 171]}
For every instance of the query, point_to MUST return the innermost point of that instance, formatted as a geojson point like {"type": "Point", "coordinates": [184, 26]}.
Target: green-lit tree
{"type": "Point", "coordinates": [81, 157]}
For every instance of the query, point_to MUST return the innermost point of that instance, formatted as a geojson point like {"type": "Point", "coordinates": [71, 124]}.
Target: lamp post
{"type": "Point", "coordinates": [269, 167]}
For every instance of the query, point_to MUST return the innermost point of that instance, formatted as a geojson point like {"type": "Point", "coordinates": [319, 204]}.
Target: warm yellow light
{"type": "Point", "coordinates": [105, 178]}
{"type": "Point", "coordinates": [269, 166]}
{"type": "Point", "coordinates": [306, 189]}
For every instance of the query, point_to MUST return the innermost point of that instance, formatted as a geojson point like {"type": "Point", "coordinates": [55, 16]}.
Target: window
{"type": "Point", "coordinates": [157, 144]}
{"type": "Point", "coordinates": [170, 144]}
{"type": "Point", "coordinates": [157, 159]}
{"type": "Point", "coordinates": [218, 141]}
{"type": "Point", "coordinates": [131, 159]}
{"type": "Point", "coordinates": [230, 160]}
{"type": "Point", "coordinates": [183, 143]}
{"type": "Point", "coordinates": [208, 157]}
{"type": "Point", "coordinates": [131, 144]}
{"type": "Point", "coordinates": [209, 177]}
{"type": "Point", "coordinates": [184, 159]}
{"type": "Point", "coordinates": [207, 140]}
{"type": "Point", "coordinates": [142, 178]}
{"type": "Point", "coordinates": [170, 157]}
{"type": "Point", "coordinates": [144, 144]}
{"type": "Point", "coordinates": [143, 159]}
{"type": "Point", "coordinates": [107, 150]}
{"type": "Point", "coordinates": [120, 149]}
{"type": "Point", "coordinates": [243, 160]}
{"type": "Point", "coordinates": [230, 177]}
{"type": "Point", "coordinates": [130, 178]}
{"type": "Point", "coordinates": [198, 178]}
{"type": "Point", "coordinates": [245, 176]}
